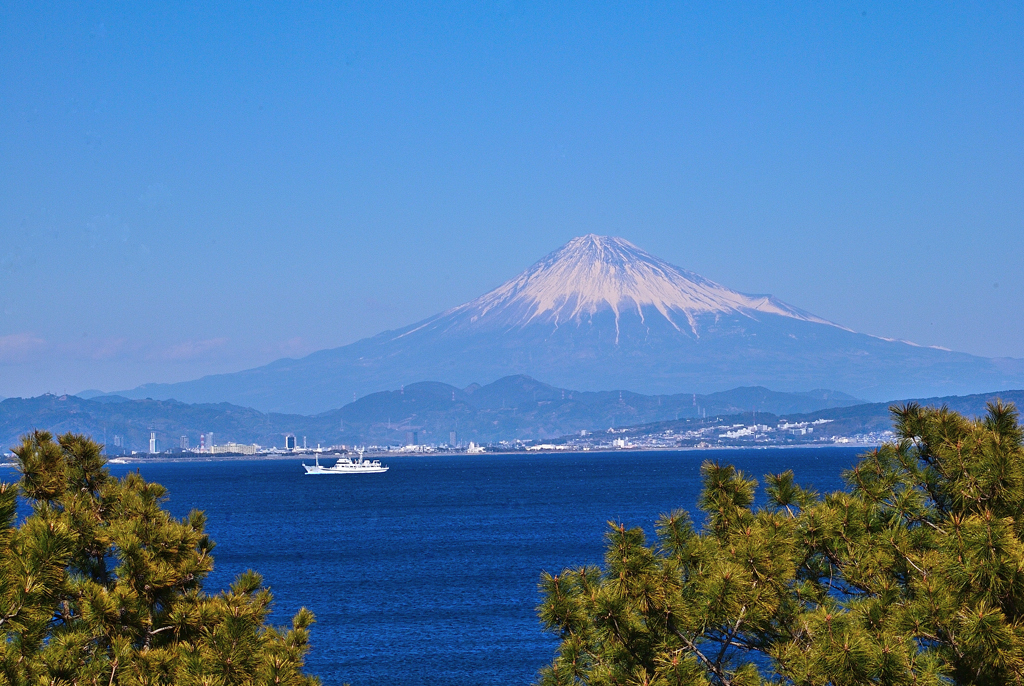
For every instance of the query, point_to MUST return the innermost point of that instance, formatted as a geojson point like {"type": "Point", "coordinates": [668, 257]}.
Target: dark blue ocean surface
{"type": "Point", "coordinates": [428, 574]}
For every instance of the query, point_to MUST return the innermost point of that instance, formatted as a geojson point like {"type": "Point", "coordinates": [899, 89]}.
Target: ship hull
{"type": "Point", "coordinates": [322, 470]}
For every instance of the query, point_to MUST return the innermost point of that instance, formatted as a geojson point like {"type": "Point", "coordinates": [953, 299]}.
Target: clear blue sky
{"type": "Point", "coordinates": [187, 189]}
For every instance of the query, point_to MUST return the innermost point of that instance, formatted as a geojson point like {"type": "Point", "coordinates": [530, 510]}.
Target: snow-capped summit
{"type": "Point", "coordinates": [593, 279]}
{"type": "Point", "coordinates": [599, 313]}
{"type": "Point", "coordinates": [592, 273]}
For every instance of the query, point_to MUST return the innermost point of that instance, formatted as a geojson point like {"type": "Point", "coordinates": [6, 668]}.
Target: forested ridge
{"type": "Point", "coordinates": [511, 408]}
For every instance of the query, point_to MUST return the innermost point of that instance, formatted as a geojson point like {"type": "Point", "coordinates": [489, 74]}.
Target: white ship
{"type": "Point", "coordinates": [346, 465]}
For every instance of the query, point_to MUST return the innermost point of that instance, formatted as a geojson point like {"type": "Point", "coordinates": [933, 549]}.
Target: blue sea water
{"type": "Point", "coordinates": [428, 574]}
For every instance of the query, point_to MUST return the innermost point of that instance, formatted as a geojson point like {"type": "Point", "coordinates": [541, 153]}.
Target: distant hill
{"type": "Point", "coordinates": [133, 420]}
{"type": "Point", "coordinates": [858, 419]}
{"type": "Point", "coordinates": [521, 407]}
{"type": "Point", "coordinates": [601, 313]}
{"type": "Point", "coordinates": [512, 407]}
{"type": "Point", "coordinates": [876, 416]}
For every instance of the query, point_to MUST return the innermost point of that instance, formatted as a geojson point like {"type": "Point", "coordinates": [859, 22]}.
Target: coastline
{"type": "Point", "coordinates": [131, 459]}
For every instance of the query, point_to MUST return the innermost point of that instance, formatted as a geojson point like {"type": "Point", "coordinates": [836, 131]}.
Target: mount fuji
{"type": "Point", "coordinates": [599, 313]}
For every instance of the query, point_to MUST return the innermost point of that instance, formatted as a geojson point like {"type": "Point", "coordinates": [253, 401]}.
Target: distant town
{"type": "Point", "coordinates": [718, 433]}
{"type": "Point", "coordinates": [513, 414]}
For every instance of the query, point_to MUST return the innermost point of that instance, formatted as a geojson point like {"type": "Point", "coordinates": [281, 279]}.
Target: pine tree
{"type": "Point", "coordinates": [912, 575]}
{"type": "Point", "coordinates": [100, 585]}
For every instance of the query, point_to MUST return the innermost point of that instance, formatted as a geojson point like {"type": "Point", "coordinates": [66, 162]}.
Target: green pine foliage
{"type": "Point", "coordinates": [100, 585]}
{"type": "Point", "coordinates": [913, 575]}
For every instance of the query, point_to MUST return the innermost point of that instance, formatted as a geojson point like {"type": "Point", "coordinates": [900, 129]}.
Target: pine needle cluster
{"type": "Point", "coordinates": [100, 585]}
{"type": "Point", "coordinates": [912, 575]}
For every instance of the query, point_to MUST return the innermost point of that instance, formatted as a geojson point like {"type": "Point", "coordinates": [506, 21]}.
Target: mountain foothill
{"type": "Point", "coordinates": [515, 407]}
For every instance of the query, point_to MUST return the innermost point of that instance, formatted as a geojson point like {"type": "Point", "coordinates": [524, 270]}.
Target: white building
{"type": "Point", "coordinates": [235, 448]}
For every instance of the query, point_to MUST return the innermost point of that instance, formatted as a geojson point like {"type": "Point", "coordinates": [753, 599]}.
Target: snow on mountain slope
{"type": "Point", "coordinates": [593, 273]}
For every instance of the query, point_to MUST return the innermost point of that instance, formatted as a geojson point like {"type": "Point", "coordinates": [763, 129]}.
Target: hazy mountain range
{"type": "Point", "coordinates": [510, 408]}
{"type": "Point", "coordinates": [513, 407]}
{"type": "Point", "coordinates": [601, 313]}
